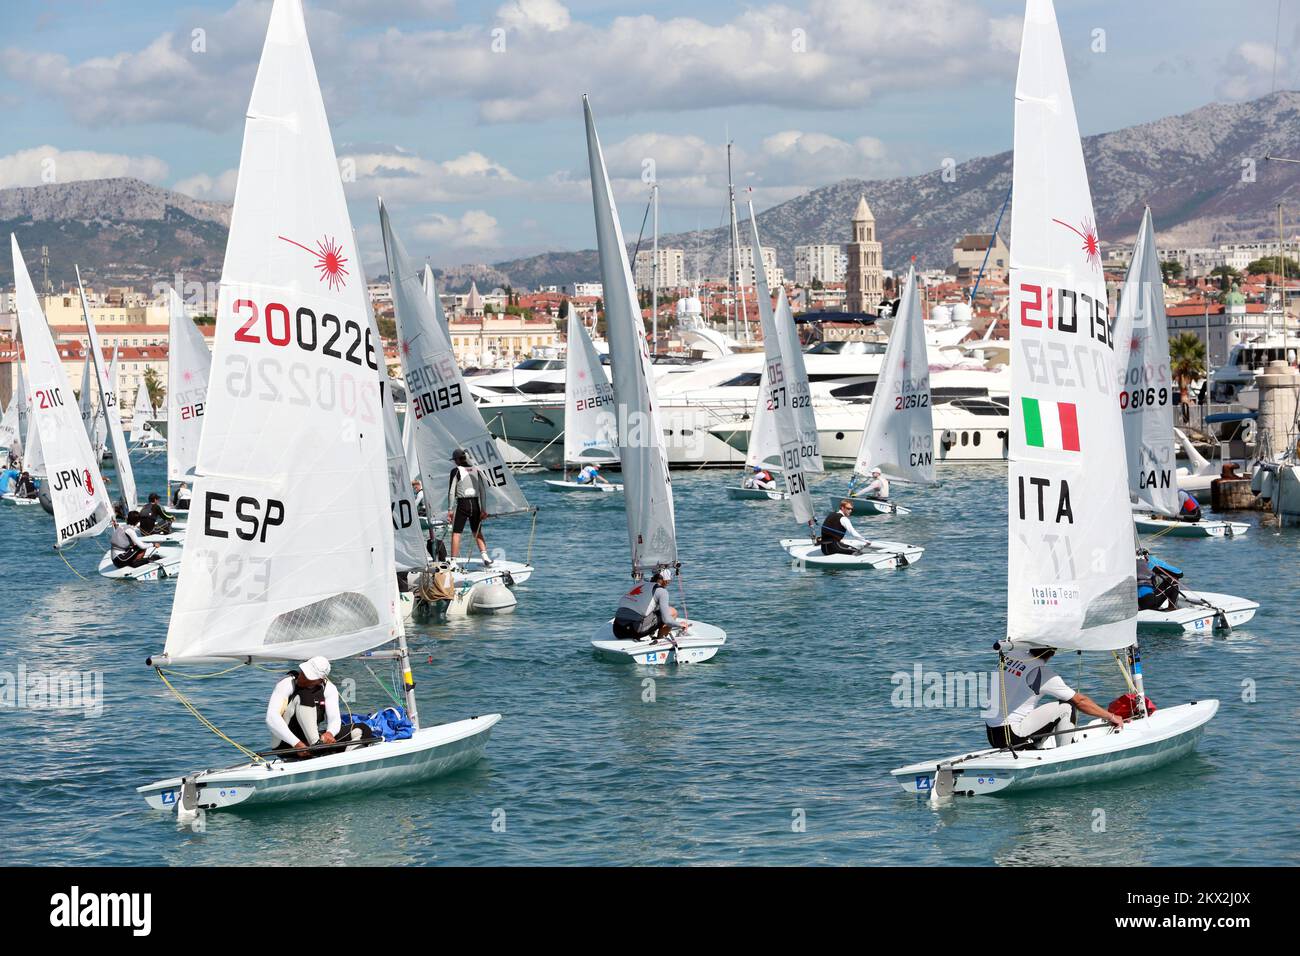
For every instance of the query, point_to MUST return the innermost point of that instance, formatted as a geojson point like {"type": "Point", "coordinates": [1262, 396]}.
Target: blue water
{"type": "Point", "coordinates": [791, 722]}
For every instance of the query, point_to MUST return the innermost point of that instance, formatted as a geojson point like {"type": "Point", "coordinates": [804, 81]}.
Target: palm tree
{"type": "Point", "coordinates": [1186, 361]}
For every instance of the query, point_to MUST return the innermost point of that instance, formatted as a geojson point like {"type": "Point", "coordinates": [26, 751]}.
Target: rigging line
{"type": "Point", "coordinates": [644, 219]}
{"type": "Point", "coordinates": [1277, 36]}
{"type": "Point", "coordinates": [531, 535]}
{"type": "Point", "coordinates": [181, 674]}
{"type": "Point", "coordinates": [185, 701]}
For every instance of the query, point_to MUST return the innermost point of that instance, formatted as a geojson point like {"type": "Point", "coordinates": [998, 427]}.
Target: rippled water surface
{"type": "Point", "coordinates": [778, 751]}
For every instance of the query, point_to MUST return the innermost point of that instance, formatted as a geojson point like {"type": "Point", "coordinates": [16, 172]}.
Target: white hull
{"type": "Point", "coordinates": [511, 572]}
{"type": "Point", "coordinates": [1173, 528]}
{"type": "Point", "coordinates": [591, 487]}
{"type": "Point", "coordinates": [696, 644]}
{"type": "Point", "coordinates": [20, 502]}
{"type": "Point", "coordinates": [433, 751]}
{"type": "Point", "coordinates": [881, 556]}
{"type": "Point", "coordinates": [167, 566]}
{"type": "Point", "coordinates": [1097, 753]}
{"type": "Point", "coordinates": [869, 507]}
{"type": "Point", "coordinates": [1196, 618]}
{"type": "Point", "coordinates": [757, 494]}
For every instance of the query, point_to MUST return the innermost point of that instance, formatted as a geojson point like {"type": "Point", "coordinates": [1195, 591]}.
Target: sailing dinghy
{"type": "Point", "coordinates": [1147, 400]}
{"type": "Point", "coordinates": [589, 433]}
{"type": "Point", "coordinates": [648, 492]}
{"type": "Point", "coordinates": [790, 399]}
{"type": "Point", "coordinates": [446, 418]}
{"type": "Point", "coordinates": [294, 557]}
{"type": "Point", "coordinates": [78, 498]}
{"type": "Point", "coordinates": [763, 451]}
{"type": "Point", "coordinates": [899, 437]}
{"type": "Point", "coordinates": [1070, 577]}
{"type": "Point", "coordinates": [188, 365]}
{"type": "Point", "coordinates": [23, 436]}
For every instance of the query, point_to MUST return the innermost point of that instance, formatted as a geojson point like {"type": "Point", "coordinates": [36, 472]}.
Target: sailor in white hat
{"type": "Point", "coordinates": [877, 487]}
{"type": "Point", "coordinates": [299, 702]}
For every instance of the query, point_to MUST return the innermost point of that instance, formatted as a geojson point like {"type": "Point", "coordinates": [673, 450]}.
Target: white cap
{"type": "Point", "coordinates": [664, 574]}
{"type": "Point", "coordinates": [875, 471]}
{"type": "Point", "coordinates": [318, 668]}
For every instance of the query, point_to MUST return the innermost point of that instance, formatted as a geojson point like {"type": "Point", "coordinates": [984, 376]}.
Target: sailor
{"type": "Point", "coordinates": [877, 487]}
{"type": "Point", "coordinates": [837, 529]}
{"type": "Point", "coordinates": [590, 474]}
{"type": "Point", "coordinates": [181, 497]}
{"type": "Point", "coordinates": [761, 479]}
{"type": "Point", "coordinates": [417, 492]}
{"type": "Point", "coordinates": [1015, 714]}
{"type": "Point", "coordinates": [1189, 509]}
{"type": "Point", "coordinates": [1157, 583]}
{"type": "Point", "coordinates": [645, 611]}
{"type": "Point", "coordinates": [8, 480]}
{"type": "Point", "coordinates": [25, 486]}
{"type": "Point", "coordinates": [300, 701]}
{"type": "Point", "coordinates": [466, 496]}
{"type": "Point", "coordinates": [126, 547]}
{"type": "Point", "coordinates": [154, 519]}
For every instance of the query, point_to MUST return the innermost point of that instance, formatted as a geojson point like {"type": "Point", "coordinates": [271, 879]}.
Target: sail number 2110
{"type": "Point", "coordinates": [334, 337]}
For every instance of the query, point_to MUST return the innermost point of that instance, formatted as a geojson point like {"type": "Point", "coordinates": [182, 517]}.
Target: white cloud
{"type": "Point", "coordinates": [46, 164]}
{"type": "Point", "coordinates": [219, 188]}
{"type": "Point", "coordinates": [474, 230]}
{"type": "Point", "coordinates": [1248, 70]}
{"type": "Point", "coordinates": [397, 174]}
{"type": "Point", "coordinates": [827, 54]}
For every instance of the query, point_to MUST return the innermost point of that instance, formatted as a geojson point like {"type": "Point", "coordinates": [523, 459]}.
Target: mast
{"type": "Point", "coordinates": [737, 286]}
{"type": "Point", "coordinates": [654, 273]}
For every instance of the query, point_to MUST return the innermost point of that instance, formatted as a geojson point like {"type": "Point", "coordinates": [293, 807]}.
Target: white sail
{"type": "Point", "coordinates": [86, 406]}
{"type": "Point", "coordinates": [142, 412]}
{"type": "Point", "coordinates": [590, 428]}
{"type": "Point", "coordinates": [23, 400]}
{"type": "Point", "coordinates": [648, 488]}
{"type": "Point", "coordinates": [9, 423]}
{"type": "Point", "coordinates": [786, 388]}
{"type": "Point", "coordinates": [81, 507]}
{"type": "Point", "coordinates": [408, 541]}
{"type": "Point", "coordinates": [33, 459]}
{"type": "Point", "coordinates": [899, 437]}
{"type": "Point", "coordinates": [431, 293]}
{"type": "Point", "coordinates": [445, 413]}
{"type": "Point", "coordinates": [188, 365]}
{"type": "Point", "coordinates": [1146, 385]}
{"type": "Point", "coordinates": [1070, 580]}
{"type": "Point", "coordinates": [289, 552]}
{"type": "Point", "coordinates": [764, 449]}
{"type": "Point", "coordinates": [408, 443]}
{"type": "Point", "coordinates": [108, 408]}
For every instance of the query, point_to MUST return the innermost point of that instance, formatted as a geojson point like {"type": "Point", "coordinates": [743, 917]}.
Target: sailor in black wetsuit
{"type": "Point", "coordinates": [838, 534]}
{"type": "Point", "coordinates": [154, 519]}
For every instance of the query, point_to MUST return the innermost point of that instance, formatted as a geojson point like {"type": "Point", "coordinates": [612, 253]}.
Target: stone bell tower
{"type": "Point", "coordinates": [863, 280]}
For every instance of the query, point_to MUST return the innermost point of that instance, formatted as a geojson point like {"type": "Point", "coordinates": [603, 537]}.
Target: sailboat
{"type": "Point", "coordinates": [145, 439]}
{"type": "Point", "coordinates": [788, 395]}
{"type": "Point", "coordinates": [763, 451]}
{"type": "Point", "coordinates": [1142, 337]}
{"type": "Point", "coordinates": [446, 418]}
{"type": "Point", "coordinates": [1070, 575]}
{"type": "Point", "coordinates": [9, 425]}
{"type": "Point", "coordinates": [188, 366]}
{"type": "Point", "coordinates": [1142, 343]}
{"type": "Point", "coordinates": [590, 432]}
{"type": "Point", "coordinates": [899, 437]}
{"type": "Point", "coordinates": [90, 419]}
{"type": "Point", "coordinates": [648, 492]}
{"type": "Point", "coordinates": [286, 566]}
{"type": "Point", "coordinates": [29, 439]}
{"type": "Point", "coordinates": [78, 499]}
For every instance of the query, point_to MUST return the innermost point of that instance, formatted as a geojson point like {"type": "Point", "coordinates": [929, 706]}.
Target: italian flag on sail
{"type": "Point", "coordinates": [1052, 425]}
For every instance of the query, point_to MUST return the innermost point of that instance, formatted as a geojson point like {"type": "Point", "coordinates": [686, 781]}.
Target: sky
{"type": "Point", "coordinates": [467, 117]}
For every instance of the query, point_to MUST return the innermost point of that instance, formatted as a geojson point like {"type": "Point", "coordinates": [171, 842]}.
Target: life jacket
{"type": "Point", "coordinates": [1146, 579]}
{"type": "Point", "coordinates": [119, 542]}
{"type": "Point", "coordinates": [1191, 505]}
{"type": "Point", "coordinates": [311, 696]}
{"type": "Point", "coordinates": [639, 608]}
{"type": "Point", "coordinates": [833, 527]}
{"type": "Point", "coordinates": [763, 476]}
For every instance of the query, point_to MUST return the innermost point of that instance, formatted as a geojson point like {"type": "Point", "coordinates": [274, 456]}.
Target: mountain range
{"type": "Point", "coordinates": [1203, 173]}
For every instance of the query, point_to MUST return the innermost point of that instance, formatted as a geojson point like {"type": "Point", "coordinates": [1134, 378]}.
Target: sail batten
{"type": "Point", "coordinates": [648, 495]}
{"type": "Point", "coordinates": [290, 550]}
{"type": "Point", "coordinates": [1071, 579]}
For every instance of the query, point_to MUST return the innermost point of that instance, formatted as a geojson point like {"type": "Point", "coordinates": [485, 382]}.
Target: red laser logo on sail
{"type": "Point", "coordinates": [90, 487]}
{"type": "Point", "coordinates": [330, 261]}
{"type": "Point", "coordinates": [1091, 244]}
